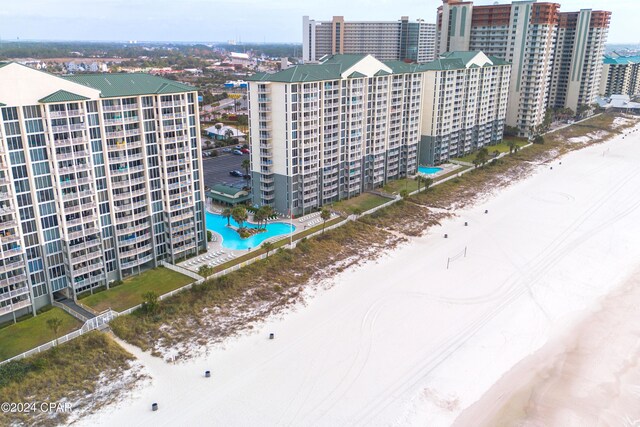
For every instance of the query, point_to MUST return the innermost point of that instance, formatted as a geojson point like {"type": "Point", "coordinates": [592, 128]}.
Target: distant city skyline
{"type": "Point", "coordinates": [276, 21]}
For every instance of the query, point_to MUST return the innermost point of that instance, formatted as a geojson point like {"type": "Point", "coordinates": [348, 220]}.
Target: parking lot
{"type": "Point", "coordinates": [216, 170]}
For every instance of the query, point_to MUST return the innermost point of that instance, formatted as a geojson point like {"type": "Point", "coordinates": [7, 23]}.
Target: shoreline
{"type": "Point", "coordinates": [586, 375]}
{"type": "Point", "coordinates": [403, 340]}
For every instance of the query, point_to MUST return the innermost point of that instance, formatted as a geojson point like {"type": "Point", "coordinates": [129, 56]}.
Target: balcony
{"type": "Point", "coordinates": [14, 307]}
{"type": "Point", "coordinates": [14, 293]}
{"type": "Point", "coordinates": [18, 278]}
{"type": "Point", "coordinates": [136, 262]}
{"type": "Point", "coordinates": [88, 281]}
{"type": "Point", "coordinates": [88, 269]}
{"type": "Point", "coordinates": [12, 266]}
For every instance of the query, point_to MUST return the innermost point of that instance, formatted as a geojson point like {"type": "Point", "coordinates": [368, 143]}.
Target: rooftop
{"type": "Point", "coordinates": [129, 84]}
{"type": "Point", "coordinates": [333, 67]}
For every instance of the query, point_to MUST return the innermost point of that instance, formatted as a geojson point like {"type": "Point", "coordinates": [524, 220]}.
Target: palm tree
{"type": "Point", "coordinates": [54, 324]}
{"type": "Point", "coordinates": [267, 246]}
{"type": "Point", "coordinates": [228, 133]}
{"type": "Point", "coordinates": [239, 215]}
{"type": "Point", "coordinates": [325, 215]}
{"type": "Point", "coordinates": [258, 217]}
{"type": "Point", "coordinates": [227, 214]}
{"type": "Point", "coordinates": [481, 157]}
{"type": "Point", "coordinates": [404, 194]}
{"type": "Point", "coordinates": [246, 164]}
{"type": "Point", "coordinates": [419, 180]}
{"type": "Point", "coordinates": [428, 182]}
{"type": "Point", "coordinates": [218, 126]}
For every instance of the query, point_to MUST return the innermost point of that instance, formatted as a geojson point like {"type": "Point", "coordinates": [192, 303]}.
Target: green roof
{"type": "Point", "coordinates": [132, 84]}
{"type": "Point", "coordinates": [355, 75]}
{"type": "Point", "coordinates": [227, 194]}
{"type": "Point", "coordinates": [332, 67]}
{"type": "Point", "coordinates": [226, 189]}
{"type": "Point", "coordinates": [62, 96]}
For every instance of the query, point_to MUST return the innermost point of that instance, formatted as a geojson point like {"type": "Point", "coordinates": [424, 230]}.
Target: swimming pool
{"type": "Point", "coordinates": [428, 170]}
{"type": "Point", "coordinates": [232, 240]}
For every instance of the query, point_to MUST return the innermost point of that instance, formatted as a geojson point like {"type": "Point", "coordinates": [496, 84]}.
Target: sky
{"type": "Point", "coordinates": [240, 20]}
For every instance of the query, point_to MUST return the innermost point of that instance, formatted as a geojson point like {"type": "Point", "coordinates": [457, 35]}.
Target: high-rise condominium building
{"type": "Point", "coordinates": [529, 35]}
{"type": "Point", "coordinates": [464, 105]}
{"type": "Point", "coordinates": [100, 178]}
{"type": "Point", "coordinates": [523, 33]}
{"type": "Point", "coordinates": [325, 132]}
{"type": "Point", "coordinates": [620, 76]}
{"type": "Point", "coordinates": [386, 40]}
{"type": "Point", "coordinates": [577, 67]}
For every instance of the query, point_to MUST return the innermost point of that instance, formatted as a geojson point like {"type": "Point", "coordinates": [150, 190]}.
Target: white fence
{"type": "Point", "coordinates": [101, 321]}
{"type": "Point", "coordinates": [98, 322]}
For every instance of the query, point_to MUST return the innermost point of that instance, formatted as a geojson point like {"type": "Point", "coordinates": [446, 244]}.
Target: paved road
{"type": "Point", "coordinates": [216, 170]}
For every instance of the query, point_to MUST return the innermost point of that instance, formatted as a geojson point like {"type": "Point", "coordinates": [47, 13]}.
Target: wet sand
{"type": "Point", "coordinates": [589, 376]}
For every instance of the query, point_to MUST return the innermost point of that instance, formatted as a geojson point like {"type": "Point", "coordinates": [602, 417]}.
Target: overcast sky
{"type": "Point", "coordinates": [245, 20]}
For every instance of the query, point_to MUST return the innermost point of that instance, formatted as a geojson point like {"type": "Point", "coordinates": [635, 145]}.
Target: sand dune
{"type": "Point", "coordinates": [406, 341]}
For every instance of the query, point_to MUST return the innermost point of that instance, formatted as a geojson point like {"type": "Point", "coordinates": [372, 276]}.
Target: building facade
{"type": "Point", "coordinates": [322, 133]}
{"type": "Point", "coordinates": [100, 178]}
{"type": "Point", "coordinates": [464, 105]}
{"type": "Point", "coordinates": [531, 35]}
{"type": "Point", "coordinates": [385, 40]}
{"type": "Point", "coordinates": [326, 132]}
{"type": "Point", "coordinates": [620, 76]}
{"type": "Point", "coordinates": [577, 67]}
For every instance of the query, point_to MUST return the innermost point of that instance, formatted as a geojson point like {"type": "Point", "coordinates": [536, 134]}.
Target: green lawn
{"type": "Point", "coordinates": [502, 148]}
{"type": "Point", "coordinates": [159, 280]}
{"type": "Point", "coordinates": [32, 332]}
{"type": "Point", "coordinates": [397, 185]}
{"type": "Point", "coordinates": [361, 203]}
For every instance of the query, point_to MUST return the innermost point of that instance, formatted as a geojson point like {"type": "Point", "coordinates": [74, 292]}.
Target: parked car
{"type": "Point", "coordinates": [238, 147]}
{"type": "Point", "coordinates": [226, 150]}
{"type": "Point", "coordinates": [235, 173]}
{"type": "Point", "coordinates": [245, 150]}
{"type": "Point", "coordinates": [246, 176]}
{"type": "Point", "coordinates": [237, 152]}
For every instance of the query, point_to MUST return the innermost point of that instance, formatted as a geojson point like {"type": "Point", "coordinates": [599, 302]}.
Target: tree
{"type": "Point", "coordinates": [404, 194]}
{"type": "Point", "coordinates": [239, 215]}
{"type": "Point", "coordinates": [218, 126]}
{"type": "Point", "coordinates": [510, 131]}
{"type": "Point", "coordinates": [258, 217]}
{"type": "Point", "coordinates": [54, 324]}
{"type": "Point", "coordinates": [227, 214]}
{"type": "Point", "coordinates": [513, 146]}
{"type": "Point", "coordinates": [228, 134]}
{"type": "Point", "coordinates": [325, 215]}
{"type": "Point", "coordinates": [267, 246]}
{"type": "Point", "coordinates": [428, 182]}
{"type": "Point", "coordinates": [481, 157]}
{"type": "Point", "coordinates": [209, 236]}
{"type": "Point", "coordinates": [539, 139]}
{"type": "Point", "coordinates": [150, 303]}
{"type": "Point", "coordinates": [419, 179]}
{"type": "Point", "coordinates": [246, 164]}
{"type": "Point", "coordinates": [265, 212]}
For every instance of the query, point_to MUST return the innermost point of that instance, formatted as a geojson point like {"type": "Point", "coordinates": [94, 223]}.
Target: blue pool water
{"type": "Point", "coordinates": [232, 240]}
{"type": "Point", "coordinates": [428, 170]}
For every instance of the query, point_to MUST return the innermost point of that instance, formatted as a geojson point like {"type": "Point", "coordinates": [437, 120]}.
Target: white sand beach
{"type": "Point", "coordinates": [404, 341]}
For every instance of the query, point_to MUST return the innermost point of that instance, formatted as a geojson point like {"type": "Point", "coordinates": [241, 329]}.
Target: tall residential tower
{"type": "Point", "coordinates": [100, 178]}
{"type": "Point", "coordinates": [386, 40]}
{"type": "Point", "coordinates": [556, 57]}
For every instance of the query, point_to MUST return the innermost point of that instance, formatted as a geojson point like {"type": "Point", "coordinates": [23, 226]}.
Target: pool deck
{"type": "Point", "coordinates": [446, 168]}
{"type": "Point", "coordinates": [217, 254]}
